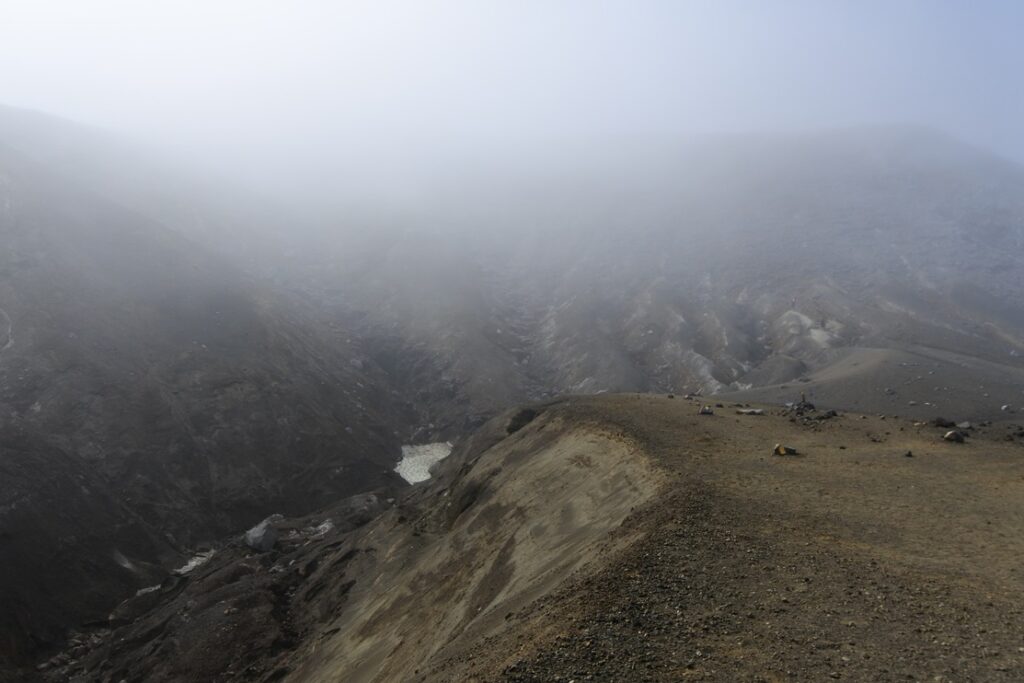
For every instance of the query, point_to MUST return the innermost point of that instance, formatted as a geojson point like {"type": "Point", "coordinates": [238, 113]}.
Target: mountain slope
{"type": "Point", "coordinates": [192, 402]}
{"type": "Point", "coordinates": [626, 537]}
{"type": "Point", "coordinates": [710, 266]}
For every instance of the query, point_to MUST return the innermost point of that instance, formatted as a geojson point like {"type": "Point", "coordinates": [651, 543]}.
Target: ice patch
{"type": "Point", "coordinates": [417, 460]}
{"type": "Point", "coordinates": [197, 561]}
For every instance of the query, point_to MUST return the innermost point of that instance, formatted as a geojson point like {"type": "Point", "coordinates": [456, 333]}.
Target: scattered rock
{"type": "Point", "coordinates": [783, 450]}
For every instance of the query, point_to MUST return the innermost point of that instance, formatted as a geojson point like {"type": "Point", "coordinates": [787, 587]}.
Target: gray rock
{"type": "Point", "coordinates": [263, 536]}
{"type": "Point", "coordinates": [954, 435]}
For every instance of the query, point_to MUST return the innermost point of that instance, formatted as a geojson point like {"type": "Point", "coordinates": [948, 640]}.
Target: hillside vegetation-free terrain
{"type": "Point", "coordinates": [627, 537]}
{"type": "Point", "coordinates": [180, 360]}
{"type": "Point", "coordinates": [151, 398]}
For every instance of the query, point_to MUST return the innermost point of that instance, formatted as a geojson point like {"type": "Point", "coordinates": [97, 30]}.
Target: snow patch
{"type": "Point", "coordinates": [417, 460]}
{"type": "Point", "coordinates": [197, 561]}
{"type": "Point", "coordinates": [124, 561]}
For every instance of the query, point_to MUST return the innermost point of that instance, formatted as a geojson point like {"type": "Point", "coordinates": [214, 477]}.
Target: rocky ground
{"type": "Point", "coordinates": [878, 551]}
{"type": "Point", "coordinates": [890, 568]}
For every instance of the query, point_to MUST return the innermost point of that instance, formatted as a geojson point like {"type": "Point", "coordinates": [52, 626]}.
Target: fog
{"type": "Point", "coordinates": [266, 263]}
{"type": "Point", "coordinates": [383, 99]}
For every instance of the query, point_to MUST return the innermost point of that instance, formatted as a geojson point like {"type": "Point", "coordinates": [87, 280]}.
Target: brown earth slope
{"type": "Point", "coordinates": [625, 537]}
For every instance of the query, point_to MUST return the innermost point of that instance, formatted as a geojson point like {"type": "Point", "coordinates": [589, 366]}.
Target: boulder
{"type": "Point", "coordinates": [750, 411]}
{"type": "Point", "coordinates": [263, 536]}
{"type": "Point", "coordinates": [783, 450]}
{"type": "Point", "coordinates": [954, 436]}
{"type": "Point", "coordinates": [705, 410]}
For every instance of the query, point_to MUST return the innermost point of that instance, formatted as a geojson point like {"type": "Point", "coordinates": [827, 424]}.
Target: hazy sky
{"type": "Point", "coordinates": [245, 80]}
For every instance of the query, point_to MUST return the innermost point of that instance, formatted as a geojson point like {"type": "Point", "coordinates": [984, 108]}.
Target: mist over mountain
{"type": "Point", "coordinates": [173, 378]}
{"type": "Point", "coordinates": [190, 381]}
{"type": "Point", "coordinates": [718, 265]}
{"type": "Point", "coordinates": [469, 341]}
{"type": "Point", "coordinates": [154, 397]}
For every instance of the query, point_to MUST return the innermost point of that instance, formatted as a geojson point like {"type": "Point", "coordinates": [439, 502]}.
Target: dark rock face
{"type": "Point", "coordinates": [67, 547]}
{"type": "Point", "coordinates": [231, 616]}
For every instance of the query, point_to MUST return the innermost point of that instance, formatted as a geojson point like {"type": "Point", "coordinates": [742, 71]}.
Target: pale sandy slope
{"type": "Point", "coordinates": [532, 510]}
